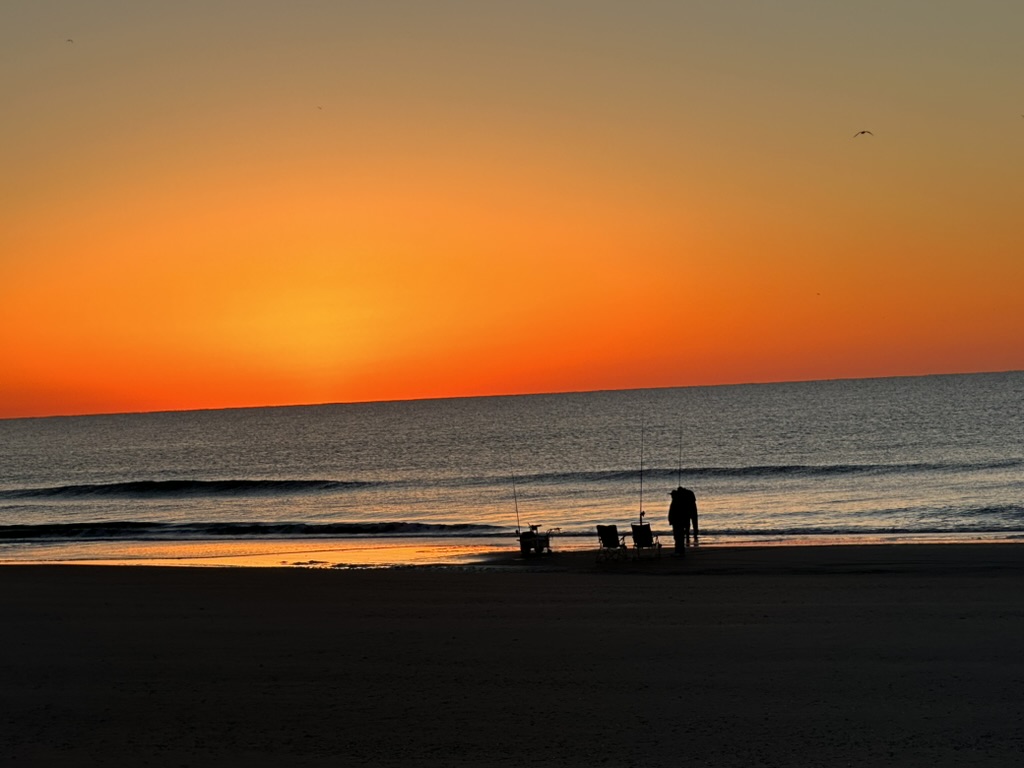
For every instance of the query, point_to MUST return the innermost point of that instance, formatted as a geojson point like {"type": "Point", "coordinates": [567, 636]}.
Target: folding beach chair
{"type": "Point", "coordinates": [645, 538]}
{"type": "Point", "coordinates": [612, 545]}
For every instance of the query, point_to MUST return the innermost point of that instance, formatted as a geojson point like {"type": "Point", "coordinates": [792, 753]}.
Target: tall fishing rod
{"type": "Point", "coordinates": [515, 496]}
{"type": "Point", "coordinates": [679, 470]}
{"type": "Point", "coordinates": [641, 471]}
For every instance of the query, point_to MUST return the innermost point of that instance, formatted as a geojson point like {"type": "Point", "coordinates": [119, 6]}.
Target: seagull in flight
{"type": "Point", "coordinates": [860, 133]}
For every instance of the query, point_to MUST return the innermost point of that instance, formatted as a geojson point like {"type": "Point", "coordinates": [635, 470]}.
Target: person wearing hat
{"type": "Point", "coordinates": [682, 512]}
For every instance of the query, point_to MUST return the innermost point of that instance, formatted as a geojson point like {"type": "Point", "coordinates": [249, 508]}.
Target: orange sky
{"type": "Point", "coordinates": [274, 203]}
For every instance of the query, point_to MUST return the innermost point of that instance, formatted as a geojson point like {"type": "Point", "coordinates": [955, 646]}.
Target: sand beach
{"type": "Point", "coordinates": [904, 655]}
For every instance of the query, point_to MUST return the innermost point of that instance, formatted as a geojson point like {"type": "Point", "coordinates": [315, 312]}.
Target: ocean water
{"type": "Point", "coordinates": [900, 459]}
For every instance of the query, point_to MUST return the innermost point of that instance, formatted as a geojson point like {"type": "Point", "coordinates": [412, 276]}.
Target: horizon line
{"type": "Point", "coordinates": [505, 394]}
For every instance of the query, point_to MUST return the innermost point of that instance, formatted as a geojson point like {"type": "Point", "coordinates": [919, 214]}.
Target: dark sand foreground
{"type": "Point", "coordinates": [825, 656]}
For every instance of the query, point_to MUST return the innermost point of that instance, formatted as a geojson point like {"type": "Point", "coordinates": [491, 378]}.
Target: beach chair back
{"type": "Point", "coordinates": [609, 536]}
{"type": "Point", "coordinates": [645, 538]}
{"type": "Point", "coordinates": [612, 545]}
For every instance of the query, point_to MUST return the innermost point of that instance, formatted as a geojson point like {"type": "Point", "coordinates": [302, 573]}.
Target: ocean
{"type": "Point", "coordinates": [933, 458]}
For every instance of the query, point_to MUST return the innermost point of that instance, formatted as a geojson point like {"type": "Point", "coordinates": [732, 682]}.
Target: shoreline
{"type": "Point", "coordinates": [402, 553]}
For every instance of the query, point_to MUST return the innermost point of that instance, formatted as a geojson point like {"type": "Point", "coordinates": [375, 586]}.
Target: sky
{"type": "Point", "coordinates": [230, 203]}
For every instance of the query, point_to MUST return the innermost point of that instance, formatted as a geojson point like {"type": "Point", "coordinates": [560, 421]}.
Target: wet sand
{"type": "Point", "coordinates": [822, 656]}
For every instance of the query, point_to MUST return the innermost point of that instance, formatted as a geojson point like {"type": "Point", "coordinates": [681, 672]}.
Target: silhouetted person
{"type": "Point", "coordinates": [682, 513]}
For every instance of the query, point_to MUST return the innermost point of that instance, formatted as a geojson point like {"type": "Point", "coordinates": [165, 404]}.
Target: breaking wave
{"type": "Point", "coordinates": [183, 488]}
{"type": "Point", "coordinates": [176, 488]}
{"type": "Point", "coordinates": [128, 530]}
{"type": "Point", "coordinates": [774, 470]}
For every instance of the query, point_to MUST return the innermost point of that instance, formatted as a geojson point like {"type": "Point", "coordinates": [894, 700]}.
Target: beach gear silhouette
{"type": "Point", "coordinates": [612, 544]}
{"type": "Point", "coordinates": [644, 538]}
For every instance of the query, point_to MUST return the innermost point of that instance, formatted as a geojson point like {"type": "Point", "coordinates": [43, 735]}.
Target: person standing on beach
{"type": "Point", "coordinates": [682, 513]}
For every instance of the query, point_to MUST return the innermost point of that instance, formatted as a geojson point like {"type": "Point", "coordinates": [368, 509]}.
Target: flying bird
{"type": "Point", "coordinates": [69, 40]}
{"type": "Point", "coordinates": [859, 133]}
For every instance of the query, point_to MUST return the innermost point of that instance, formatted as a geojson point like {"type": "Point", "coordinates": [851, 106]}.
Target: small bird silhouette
{"type": "Point", "coordinates": [69, 40]}
{"type": "Point", "coordinates": [859, 133]}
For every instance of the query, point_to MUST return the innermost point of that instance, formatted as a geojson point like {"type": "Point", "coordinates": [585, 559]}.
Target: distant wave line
{"type": "Point", "coordinates": [145, 489]}
{"type": "Point", "coordinates": [129, 530]}
{"type": "Point", "coordinates": [174, 488]}
{"type": "Point", "coordinates": [770, 470]}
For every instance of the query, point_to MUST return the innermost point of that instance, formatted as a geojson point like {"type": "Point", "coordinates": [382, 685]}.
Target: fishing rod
{"type": "Point", "coordinates": [641, 471]}
{"type": "Point", "coordinates": [679, 470]}
{"type": "Point", "coordinates": [515, 496]}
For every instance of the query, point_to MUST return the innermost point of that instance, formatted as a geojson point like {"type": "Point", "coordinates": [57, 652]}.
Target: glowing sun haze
{"type": "Point", "coordinates": [253, 203]}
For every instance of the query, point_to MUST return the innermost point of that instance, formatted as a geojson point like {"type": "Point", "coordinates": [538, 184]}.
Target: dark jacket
{"type": "Point", "coordinates": [683, 507]}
